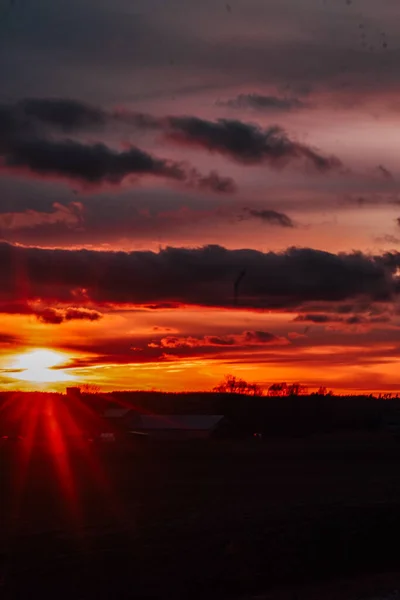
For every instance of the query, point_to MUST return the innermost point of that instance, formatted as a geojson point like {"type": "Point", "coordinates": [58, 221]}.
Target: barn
{"type": "Point", "coordinates": [159, 426]}
{"type": "Point", "coordinates": [177, 427]}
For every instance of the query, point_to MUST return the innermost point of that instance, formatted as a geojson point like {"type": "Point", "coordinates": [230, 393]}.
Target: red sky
{"type": "Point", "coordinates": [151, 152]}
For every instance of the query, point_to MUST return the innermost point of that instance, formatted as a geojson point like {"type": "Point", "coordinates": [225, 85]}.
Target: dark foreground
{"type": "Point", "coordinates": [317, 518]}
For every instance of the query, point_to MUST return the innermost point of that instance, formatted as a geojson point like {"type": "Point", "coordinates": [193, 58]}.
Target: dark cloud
{"type": "Point", "coordinates": [56, 316]}
{"type": "Point", "coordinates": [317, 318]}
{"type": "Point", "coordinates": [246, 143]}
{"type": "Point", "coordinates": [199, 276]}
{"type": "Point", "coordinates": [25, 145]}
{"type": "Point", "coordinates": [272, 217]}
{"type": "Point", "coordinates": [352, 320]}
{"type": "Point", "coordinates": [263, 103]}
{"type": "Point", "coordinates": [247, 338]}
{"type": "Point", "coordinates": [243, 142]}
{"type": "Point", "coordinates": [49, 314]}
{"type": "Point", "coordinates": [7, 339]}
{"type": "Point", "coordinates": [115, 351]}
{"type": "Point", "coordinates": [262, 337]}
{"type": "Point", "coordinates": [98, 164]}
{"type": "Point", "coordinates": [88, 163]}
{"type": "Point", "coordinates": [68, 115]}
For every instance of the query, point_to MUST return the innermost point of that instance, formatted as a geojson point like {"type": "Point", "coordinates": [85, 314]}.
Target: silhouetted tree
{"type": "Point", "coordinates": [323, 391]}
{"type": "Point", "coordinates": [277, 389]}
{"type": "Point", "coordinates": [235, 385]}
{"type": "Point", "coordinates": [296, 389]}
{"type": "Point", "coordinates": [283, 389]}
{"type": "Point", "coordinates": [253, 389]}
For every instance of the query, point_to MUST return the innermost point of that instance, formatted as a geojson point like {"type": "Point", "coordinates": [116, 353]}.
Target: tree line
{"type": "Point", "coordinates": [235, 385]}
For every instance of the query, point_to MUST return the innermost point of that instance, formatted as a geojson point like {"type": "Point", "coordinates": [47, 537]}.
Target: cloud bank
{"type": "Point", "coordinates": [196, 276]}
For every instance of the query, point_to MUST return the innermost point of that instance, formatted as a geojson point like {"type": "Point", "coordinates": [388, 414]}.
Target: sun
{"type": "Point", "coordinates": [38, 366]}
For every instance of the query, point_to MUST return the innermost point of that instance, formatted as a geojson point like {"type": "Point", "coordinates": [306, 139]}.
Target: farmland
{"type": "Point", "coordinates": [216, 519]}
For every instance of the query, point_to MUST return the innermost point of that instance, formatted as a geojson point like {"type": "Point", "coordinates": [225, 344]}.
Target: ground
{"type": "Point", "coordinates": [306, 518]}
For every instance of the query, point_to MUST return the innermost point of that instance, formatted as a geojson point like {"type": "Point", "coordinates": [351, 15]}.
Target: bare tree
{"type": "Point", "coordinates": [234, 385]}
{"type": "Point", "coordinates": [254, 389]}
{"type": "Point", "coordinates": [297, 389]}
{"type": "Point", "coordinates": [284, 389]}
{"type": "Point", "coordinates": [277, 389]}
{"type": "Point", "coordinates": [323, 391]}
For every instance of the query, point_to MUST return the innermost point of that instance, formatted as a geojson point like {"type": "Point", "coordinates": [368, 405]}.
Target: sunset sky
{"type": "Point", "coordinates": [153, 153]}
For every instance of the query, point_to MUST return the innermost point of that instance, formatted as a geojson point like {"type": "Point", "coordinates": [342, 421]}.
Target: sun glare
{"type": "Point", "coordinates": [37, 366]}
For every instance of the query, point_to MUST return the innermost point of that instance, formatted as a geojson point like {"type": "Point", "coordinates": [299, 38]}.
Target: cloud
{"type": "Point", "coordinates": [67, 114]}
{"type": "Point", "coordinates": [87, 163]}
{"type": "Point", "coordinates": [56, 316]}
{"type": "Point", "coordinates": [263, 337]}
{"type": "Point", "coordinates": [195, 276]}
{"type": "Point", "coordinates": [246, 143]}
{"type": "Point", "coordinates": [315, 318]}
{"type": "Point", "coordinates": [263, 103]}
{"type": "Point", "coordinates": [7, 339]}
{"type": "Point", "coordinates": [98, 164]}
{"type": "Point", "coordinates": [26, 146]}
{"type": "Point", "coordinates": [272, 217]}
{"type": "Point", "coordinates": [247, 338]}
{"type": "Point", "coordinates": [49, 314]}
{"type": "Point", "coordinates": [168, 348]}
{"type": "Point", "coordinates": [364, 321]}
{"type": "Point", "coordinates": [70, 215]}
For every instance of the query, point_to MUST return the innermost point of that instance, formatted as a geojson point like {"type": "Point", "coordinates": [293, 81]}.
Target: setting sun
{"type": "Point", "coordinates": [38, 366]}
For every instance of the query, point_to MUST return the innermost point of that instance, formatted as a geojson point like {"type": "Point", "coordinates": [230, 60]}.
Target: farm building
{"type": "Point", "coordinates": [177, 426]}
{"type": "Point", "coordinates": [163, 426]}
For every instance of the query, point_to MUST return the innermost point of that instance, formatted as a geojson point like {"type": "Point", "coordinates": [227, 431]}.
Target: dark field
{"type": "Point", "coordinates": [288, 519]}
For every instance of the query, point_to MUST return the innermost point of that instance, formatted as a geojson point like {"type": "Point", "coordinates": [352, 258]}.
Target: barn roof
{"type": "Point", "coordinates": [182, 422]}
{"type": "Point", "coordinates": [116, 413]}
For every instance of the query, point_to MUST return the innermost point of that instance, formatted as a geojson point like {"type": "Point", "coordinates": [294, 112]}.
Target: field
{"type": "Point", "coordinates": [306, 518]}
